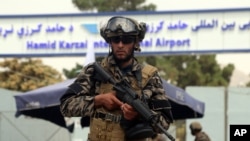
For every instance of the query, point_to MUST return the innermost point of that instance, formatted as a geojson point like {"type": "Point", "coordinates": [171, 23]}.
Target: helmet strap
{"type": "Point", "coordinates": [137, 45]}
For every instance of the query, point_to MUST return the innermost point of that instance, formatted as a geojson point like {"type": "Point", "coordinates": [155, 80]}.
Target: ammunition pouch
{"type": "Point", "coordinates": [164, 107]}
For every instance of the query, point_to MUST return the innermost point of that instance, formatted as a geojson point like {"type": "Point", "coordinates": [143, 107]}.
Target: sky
{"type": "Point", "coordinates": [13, 7]}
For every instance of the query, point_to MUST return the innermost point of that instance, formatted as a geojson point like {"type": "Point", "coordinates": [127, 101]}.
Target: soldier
{"type": "Point", "coordinates": [110, 118]}
{"type": "Point", "coordinates": [196, 130]}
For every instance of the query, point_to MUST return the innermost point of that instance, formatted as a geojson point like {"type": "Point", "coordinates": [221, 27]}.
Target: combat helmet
{"type": "Point", "coordinates": [118, 26]}
{"type": "Point", "coordinates": [195, 126]}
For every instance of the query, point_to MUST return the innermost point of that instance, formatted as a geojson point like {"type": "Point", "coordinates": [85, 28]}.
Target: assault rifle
{"type": "Point", "coordinates": [126, 94]}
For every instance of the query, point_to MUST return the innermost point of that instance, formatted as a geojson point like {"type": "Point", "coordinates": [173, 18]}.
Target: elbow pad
{"type": "Point", "coordinates": [76, 88]}
{"type": "Point", "coordinates": [162, 106]}
{"type": "Point", "coordinates": [72, 90]}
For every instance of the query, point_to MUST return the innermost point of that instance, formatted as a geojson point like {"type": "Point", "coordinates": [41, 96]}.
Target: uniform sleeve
{"type": "Point", "coordinates": [78, 100]}
{"type": "Point", "coordinates": [155, 91]}
{"type": "Point", "coordinates": [202, 136]}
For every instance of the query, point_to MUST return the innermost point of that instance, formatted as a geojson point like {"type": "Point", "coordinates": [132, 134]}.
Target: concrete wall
{"type": "Point", "coordinates": [25, 128]}
{"type": "Point", "coordinates": [223, 107]}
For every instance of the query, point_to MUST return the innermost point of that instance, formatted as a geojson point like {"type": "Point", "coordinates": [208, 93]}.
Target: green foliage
{"type": "Point", "coordinates": [26, 74]}
{"type": "Point", "coordinates": [73, 72]}
{"type": "Point", "coordinates": [113, 5]}
{"type": "Point", "coordinates": [183, 70]}
{"type": "Point", "coordinates": [248, 83]}
{"type": "Point", "coordinates": [190, 70]}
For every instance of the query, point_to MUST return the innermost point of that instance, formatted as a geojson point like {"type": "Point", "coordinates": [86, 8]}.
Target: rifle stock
{"type": "Point", "coordinates": [128, 95]}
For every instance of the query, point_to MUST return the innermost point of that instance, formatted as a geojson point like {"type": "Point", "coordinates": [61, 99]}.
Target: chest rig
{"type": "Point", "coordinates": [137, 80]}
{"type": "Point", "coordinates": [105, 125]}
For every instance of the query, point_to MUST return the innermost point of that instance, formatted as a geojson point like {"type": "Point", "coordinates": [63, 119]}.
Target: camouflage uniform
{"type": "Point", "coordinates": [202, 136]}
{"type": "Point", "coordinates": [82, 103]}
{"type": "Point", "coordinates": [109, 125]}
{"type": "Point", "coordinates": [196, 130]}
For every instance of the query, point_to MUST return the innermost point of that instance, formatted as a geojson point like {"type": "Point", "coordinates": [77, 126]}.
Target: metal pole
{"type": "Point", "coordinates": [225, 112]}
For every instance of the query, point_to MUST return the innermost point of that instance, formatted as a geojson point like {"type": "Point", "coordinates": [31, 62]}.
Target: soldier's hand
{"type": "Point", "coordinates": [108, 100]}
{"type": "Point", "coordinates": [129, 112]}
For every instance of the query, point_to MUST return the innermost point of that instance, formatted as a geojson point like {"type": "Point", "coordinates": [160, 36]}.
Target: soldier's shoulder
{"type": "Point", "coordinates": [202, 136]}
{"type": "Point", "coordinates": [149, 69]}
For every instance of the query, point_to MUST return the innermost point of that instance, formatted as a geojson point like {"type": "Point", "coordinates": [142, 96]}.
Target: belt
{"type": "Point", "coordinates": [108, 116]}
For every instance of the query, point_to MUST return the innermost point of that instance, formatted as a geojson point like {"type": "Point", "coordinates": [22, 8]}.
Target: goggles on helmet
{"type": "Point", "coordinates": [121, 24]}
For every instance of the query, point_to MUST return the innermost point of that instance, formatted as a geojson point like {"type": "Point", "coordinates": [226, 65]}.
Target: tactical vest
{"type": "Point", "coordinates": [108, 130]}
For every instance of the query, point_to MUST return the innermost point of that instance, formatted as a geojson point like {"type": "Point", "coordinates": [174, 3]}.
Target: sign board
{"type": "Point", "coordinates": [176, 32]}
